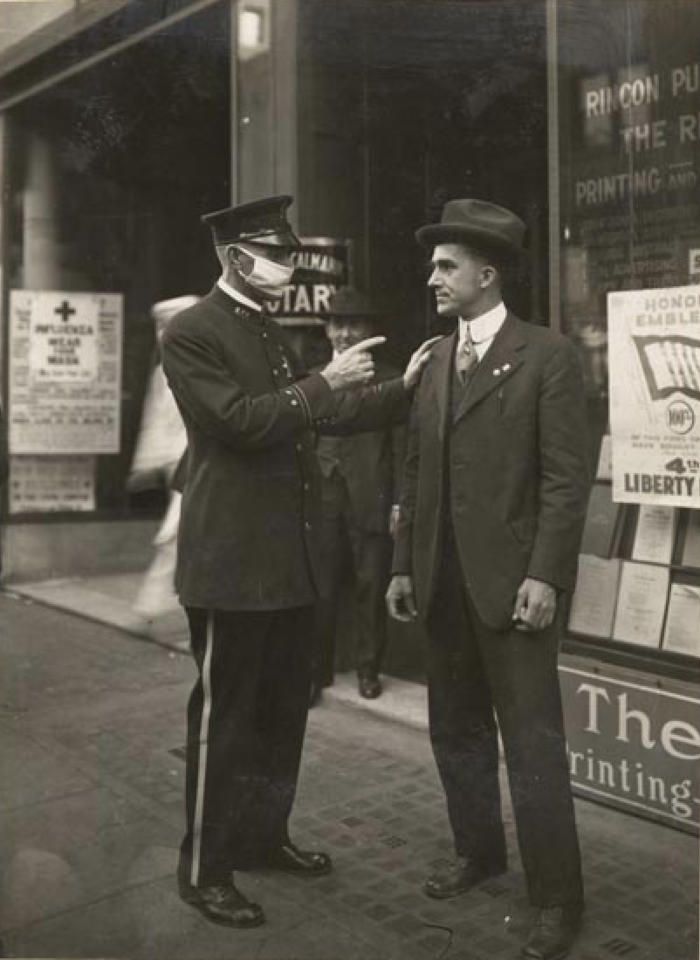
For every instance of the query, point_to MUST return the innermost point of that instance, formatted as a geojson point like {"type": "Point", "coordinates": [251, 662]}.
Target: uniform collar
{"type": "Point", "coordinates": [238, 296]}
{"type": "Point", "coordinates": [485, 326]}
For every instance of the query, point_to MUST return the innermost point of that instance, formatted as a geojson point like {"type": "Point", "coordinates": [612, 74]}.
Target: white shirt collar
{"type": "Point", "coordinates": [237, 295]}
{"type": "Point", "coordinates": [486, 326]}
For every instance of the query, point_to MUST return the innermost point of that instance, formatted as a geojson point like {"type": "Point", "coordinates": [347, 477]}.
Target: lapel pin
{"type": "Point", "coordinates": [497, 371]}
{"type": "Point", "coordinates": [506, 367]}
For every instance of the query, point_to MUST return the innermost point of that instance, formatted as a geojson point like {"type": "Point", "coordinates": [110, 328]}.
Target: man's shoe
{"type": "Point", "coordinates": [369, 685]}
{"type": "Point", "coordinates": [554, 932]}
{"type": "Point", "coordinates": [457, 878]}
{"type": "Point", "coordinates": [223, 903]}
{"type": "Point", "coordinates": [315, 694]}
{"type": "Point", "coordinates": [304, 863]}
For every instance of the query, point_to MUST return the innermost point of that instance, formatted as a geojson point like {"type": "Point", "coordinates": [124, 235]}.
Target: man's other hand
{"type": "Point", "coordinates": [394, 515]}
{"type": "Point", "coordinates": [417, 362]}
{"type": "Point", "coordinates": [353, 367]}
{"type": "Point", "coordinates": [399, 598]}
{"type": "Point", "coordinates": [535, 605]}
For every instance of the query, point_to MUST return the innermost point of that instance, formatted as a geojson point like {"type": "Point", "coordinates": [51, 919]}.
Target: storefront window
{"type": "Point", "coordinates": [629, 211]}
{"type": "Point", "coordinates": [109, 173]}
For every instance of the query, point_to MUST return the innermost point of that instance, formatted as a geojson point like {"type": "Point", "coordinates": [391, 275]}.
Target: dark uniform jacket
{"type": "Point", "coordinates": [250, 522]}
{"type": "Point", "coordinates": [518, 475]}
{"type": "Point", "coordinates": [370, 463]}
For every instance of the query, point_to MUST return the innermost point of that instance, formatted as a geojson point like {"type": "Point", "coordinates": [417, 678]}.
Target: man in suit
{"type": "Point", "coordinates": [248, 557]}
{"type": "Point", "coordinates": [491, 515]}
{"type": "Point", "coordinates": [361, 474]}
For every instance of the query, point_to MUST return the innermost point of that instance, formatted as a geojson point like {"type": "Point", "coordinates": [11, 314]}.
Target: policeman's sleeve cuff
{"type": "Point", "coordinates": [314, 396]}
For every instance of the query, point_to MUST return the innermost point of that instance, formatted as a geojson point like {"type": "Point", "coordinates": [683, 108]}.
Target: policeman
{"type": "Point", "coordinates": [248, 556]}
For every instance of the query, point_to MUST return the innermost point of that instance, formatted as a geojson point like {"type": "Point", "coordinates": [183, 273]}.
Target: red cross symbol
{"type": "Point", "coordinates": [65, 311]}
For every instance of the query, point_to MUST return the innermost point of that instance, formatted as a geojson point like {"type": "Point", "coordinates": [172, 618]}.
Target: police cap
{"type": "Point", "coordinates": [260, 221]}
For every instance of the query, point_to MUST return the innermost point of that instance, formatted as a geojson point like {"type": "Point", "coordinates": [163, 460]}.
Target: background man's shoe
{"type": "Point", "coordinates": [223, 903]}
{"type": "Point", "coordinates": [457, 878]}
{"type": "Point", "coordinates": [369, 685]}
{"type": "Point", "coordinates": [315, 695]}
{"type": "Point", "coordinates": [304, 863]}
{"type": "Point", "coordinates": [554, 932]}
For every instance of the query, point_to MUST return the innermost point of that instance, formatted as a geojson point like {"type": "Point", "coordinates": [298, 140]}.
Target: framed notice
{"type": "Point", "coordinates": [682, 633]}
{"type": "Point", "coordinates": [641, 603]}
{"type": "Point", "coordinates": [593, 602]}
{"type": "Point", "coordinates": [655, 534]}
{"type": "Point", "coordinates": [654, 358]}
{"type": "Point", "coordinates": [601, 524]}
{"type": "Point", "coordinates": [691, 546]}
{"type": "Point", "coordinates": [51, 484]}
{"type": "Point", "coordinates": [64, 372]}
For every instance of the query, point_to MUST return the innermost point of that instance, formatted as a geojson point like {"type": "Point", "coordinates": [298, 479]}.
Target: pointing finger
{"type": "Point", "coordinates": [367, 344]}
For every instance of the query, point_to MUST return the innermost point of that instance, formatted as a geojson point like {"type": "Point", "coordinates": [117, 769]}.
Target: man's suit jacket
{"type": "Point", "coordinates": [250, 521]}
{"type": "Point", "coordinates": [519, 477]}
{"type": "Point", "coordinates": [371, 464]}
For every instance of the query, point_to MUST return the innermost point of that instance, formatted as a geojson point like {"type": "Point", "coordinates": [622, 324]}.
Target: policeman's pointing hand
{"type": "Point", "coordinates": [353, 366]}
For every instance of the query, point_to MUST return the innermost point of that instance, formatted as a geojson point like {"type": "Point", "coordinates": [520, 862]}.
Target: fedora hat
{"type": "Point", "coordinates": [350, 302]}
{"type": "Point", "coordinates": [476, 223]}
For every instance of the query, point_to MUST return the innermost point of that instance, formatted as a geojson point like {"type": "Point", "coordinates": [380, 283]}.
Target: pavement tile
{"type": "Point", "coordinates": [368, 792]}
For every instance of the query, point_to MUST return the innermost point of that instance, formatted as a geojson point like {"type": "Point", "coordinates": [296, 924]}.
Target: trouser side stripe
{"type": "Point", "coordinates": [203, 744]}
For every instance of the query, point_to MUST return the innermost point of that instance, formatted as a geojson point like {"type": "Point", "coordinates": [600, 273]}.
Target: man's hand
{"type": "Point", "coordinates": [399, 598]}
{"type": "Point", "coordinates": [417, 362]}
{"type": "Point", "coordinates": [394, 519]}
{"type": "Point", "coordinates": [353, 366]}
{"type": "Point", "coordinates": [535, 605]}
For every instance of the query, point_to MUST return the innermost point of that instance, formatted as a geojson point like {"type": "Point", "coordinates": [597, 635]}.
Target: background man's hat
{"type": "Point", "coordinates": [477, 223]}
{"type": "Point", "coordinates": [350, 302]}
{"type": "Point", "coordinates": [261, 221]}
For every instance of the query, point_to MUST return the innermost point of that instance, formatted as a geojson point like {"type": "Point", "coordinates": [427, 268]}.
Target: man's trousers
{"type": "Point", "coordinates": [246, 719]}
{"type": "Point", "coordinates": [474, 671]}
{"type": "Point", "coordinates": [344, 544]}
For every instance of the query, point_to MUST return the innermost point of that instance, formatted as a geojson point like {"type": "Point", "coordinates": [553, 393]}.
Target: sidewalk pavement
{"type": "Point", "coordinates": [91, 777]}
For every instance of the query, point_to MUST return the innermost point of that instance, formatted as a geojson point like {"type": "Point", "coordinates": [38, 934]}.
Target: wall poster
{"type": "Point", "coordinates": [64, 372]}
{"type": "Point", "coordinates": [51, 484]}
{"type": "Point", "coordinates": [654, 361]}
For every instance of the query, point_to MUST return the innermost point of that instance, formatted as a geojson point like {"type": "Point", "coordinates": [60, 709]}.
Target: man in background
{"type": "Point", "coordinates": [361, 474]}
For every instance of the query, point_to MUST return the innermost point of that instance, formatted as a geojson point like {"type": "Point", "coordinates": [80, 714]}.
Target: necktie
{"type": "Point", "coordinates": [465, 358]}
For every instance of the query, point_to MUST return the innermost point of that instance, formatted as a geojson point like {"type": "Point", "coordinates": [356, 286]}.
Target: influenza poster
{"type": "Point", "coordinates": [654, 338]}
{"type": "Point", "coordinates": [64, 372]}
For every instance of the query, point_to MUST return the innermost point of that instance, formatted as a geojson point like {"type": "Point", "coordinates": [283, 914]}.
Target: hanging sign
{"type": "Point", "coordinates": [321, 266]}
{"type": "Point", "coordinates": [632, 743]}
{"type": "Point", "coordinates": [64, 372]}
{"type": "Point", "coordinates": [654, 359]}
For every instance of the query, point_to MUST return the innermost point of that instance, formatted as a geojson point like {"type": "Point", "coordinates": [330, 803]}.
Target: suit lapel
{"type": "Point", "coordinates": [439, 367]}
{"type": "Point", "coordinates": [499, 363]}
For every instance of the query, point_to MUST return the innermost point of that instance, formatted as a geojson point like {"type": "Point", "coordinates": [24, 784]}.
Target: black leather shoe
{"type": "Point", "coordinates": [369, 685]}
{"type": "Point", "coordinates": [554, 932]}
{"type": "Point", "coordinates": [224, 904]}
{"type": "Point", "coordinates": [304, 863]}
{"type": "Point", "coordinates": [457, 878]}
{"type": "Point", "coordinates": [315, 695]}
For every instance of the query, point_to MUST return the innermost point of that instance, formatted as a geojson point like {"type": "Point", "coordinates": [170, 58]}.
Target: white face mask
{"type": "Point", "coordinates": [267, 277]}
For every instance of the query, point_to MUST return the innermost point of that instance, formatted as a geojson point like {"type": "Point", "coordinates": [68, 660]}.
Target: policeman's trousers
{"type": "Point", "coordinates": [246, 719]}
